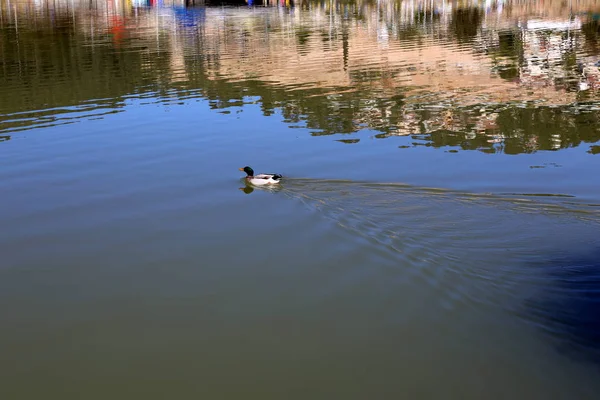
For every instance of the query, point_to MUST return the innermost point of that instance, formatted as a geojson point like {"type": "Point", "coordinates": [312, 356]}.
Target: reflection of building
{"type": "Point", "coordinates": [545, 44]}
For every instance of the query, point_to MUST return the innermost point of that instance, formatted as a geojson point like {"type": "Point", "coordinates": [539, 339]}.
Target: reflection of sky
{"type": "Point", "coordinates": [186, 16]}
{"type": "Point", "coordinates": [190, 16]}
{"type": "Point", "coordinates": [221, 141]}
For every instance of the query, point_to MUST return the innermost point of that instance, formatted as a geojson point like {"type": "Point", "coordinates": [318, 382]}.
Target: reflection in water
{"type": "Point", "coordinates": [248, 188]}
{"type": "Point", "coordinates": [122, 268]}
{"type": "Point", "coordinates": [510, 129]}
{"type": "Point", "coordinates": [493, 77]}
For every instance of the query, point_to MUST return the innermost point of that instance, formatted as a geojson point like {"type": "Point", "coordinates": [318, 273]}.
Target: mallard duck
{"type": "Point", "coordinates": [260, 179]}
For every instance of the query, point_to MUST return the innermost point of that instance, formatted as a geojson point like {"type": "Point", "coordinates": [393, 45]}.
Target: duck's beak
{"type": "Point", "coordinates": [241, 169]}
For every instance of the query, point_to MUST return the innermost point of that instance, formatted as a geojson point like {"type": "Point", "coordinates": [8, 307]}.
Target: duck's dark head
{"type": "Point", "coordinates": [249, 171]}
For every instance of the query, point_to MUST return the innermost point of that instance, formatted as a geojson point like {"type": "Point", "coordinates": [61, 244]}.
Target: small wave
{"type": "Point", "coordinates": [471, 248]}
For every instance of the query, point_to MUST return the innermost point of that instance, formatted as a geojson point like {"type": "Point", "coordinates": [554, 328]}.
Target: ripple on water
{"type": "Point", "coordinates": [23, 121]}
{"type": "Point", "coordinates": [405, 277]}
{"type": "Point", "coordinates": [429, 230]}
{"type": "Point", "coordinates": [487, 254]}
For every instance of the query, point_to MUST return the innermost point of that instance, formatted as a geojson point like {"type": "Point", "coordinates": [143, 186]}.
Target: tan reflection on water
{"type": "Point", "coordinates": [322, 45]}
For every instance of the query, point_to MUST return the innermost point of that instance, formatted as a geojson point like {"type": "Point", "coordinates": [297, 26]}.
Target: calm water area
{"type": "Point", "coordinates": [436, 234]}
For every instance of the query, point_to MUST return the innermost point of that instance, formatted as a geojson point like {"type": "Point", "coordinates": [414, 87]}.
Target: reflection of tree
{"type": "Point", "coordinates": [591, 31]}
{"type": "Point", "coordinates": [545, 128]}
{"type": "Point", "coordinates": [302, 35]}
{"type": "Point", "coordinates": [62, 69]}
{"type": "Point", "coordinates": [508, 54]}
{"type": "Point", "coordinates": [516, 130]}
{"type": "Point", "coordinates": [466, 23]}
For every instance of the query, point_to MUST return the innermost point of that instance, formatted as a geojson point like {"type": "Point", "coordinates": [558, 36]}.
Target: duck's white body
{"type": "Point", "coordinates": [264, 179]}
{"type": "Point", "coordinates": [261, 179]}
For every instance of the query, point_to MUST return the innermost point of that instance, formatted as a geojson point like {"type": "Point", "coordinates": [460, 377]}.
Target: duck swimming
{"type": "Point", "coordinates": [260, 179]}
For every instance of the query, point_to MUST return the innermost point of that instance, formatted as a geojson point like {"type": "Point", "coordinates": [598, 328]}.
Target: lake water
{"type": "Point", "coordinates": [436, 234]}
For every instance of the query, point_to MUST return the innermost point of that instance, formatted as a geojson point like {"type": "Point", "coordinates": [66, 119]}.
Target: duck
{"type": "Point", "coordinates": [260, 179]}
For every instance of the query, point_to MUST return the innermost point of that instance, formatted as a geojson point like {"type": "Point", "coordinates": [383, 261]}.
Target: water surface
{"type": "Point", "coordinates": [436, 233]}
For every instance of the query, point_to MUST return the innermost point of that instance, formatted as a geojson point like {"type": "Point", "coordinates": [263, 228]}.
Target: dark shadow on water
{"type": "Point", "coordinates": [569, 313]}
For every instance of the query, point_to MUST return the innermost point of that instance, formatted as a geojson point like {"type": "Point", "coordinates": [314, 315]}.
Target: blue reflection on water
{"type": "Point", "coordinates": [190, 16]}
